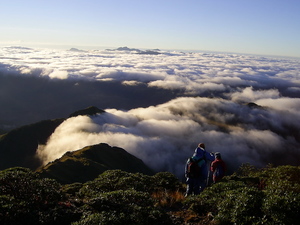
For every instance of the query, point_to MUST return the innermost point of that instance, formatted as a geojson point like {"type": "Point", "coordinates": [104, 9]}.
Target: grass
{"type": "Point", "coordinates": [168, 199]}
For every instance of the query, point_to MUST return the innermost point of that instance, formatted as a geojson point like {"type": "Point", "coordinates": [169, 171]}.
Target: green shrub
{"type": "Point", "coordinates": [209, 199]}
{"type": "Point", "coordinates": [269, 196]}
{"type": "Point", "coordinates": [72, 189]}
{"type": "Point", "coordinates": [166, 181]}
{"type": "Point", "coordinates": [282, 202]}
{"type": "Point", "coordinates": [247, 170]}
{"type": "Point", "coordinates": [240, 206]}
{"type": "Point", "coordinates": [123, 207]}
{"type": "Point", "coordinates": [113, 180]}
{"type": "Point", "coordinates": [282, 208]}
{"type": "Point", "coordinates": [27, 199]}
{"type": "Point", "coordinates": [289, 174]}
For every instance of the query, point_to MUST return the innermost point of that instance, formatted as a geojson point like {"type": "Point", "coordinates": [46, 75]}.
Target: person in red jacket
{"type": "Point", "coordinates": [218, 167]}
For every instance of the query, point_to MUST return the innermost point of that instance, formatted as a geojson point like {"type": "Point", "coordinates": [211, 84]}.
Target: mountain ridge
{"type": "Point", "coordinates": [18, 149]}
{"type": "Point", "coordinates": [18, 146]}
{"type": "Point", "coordinates": [87, 163]}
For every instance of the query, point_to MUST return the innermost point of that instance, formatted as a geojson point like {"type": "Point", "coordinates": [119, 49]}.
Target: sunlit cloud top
{"type": "Point", "coordinates": [193, 73]}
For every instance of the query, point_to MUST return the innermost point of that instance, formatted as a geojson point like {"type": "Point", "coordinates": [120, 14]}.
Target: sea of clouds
{"type": "Point", "coordinates": [211, 104]}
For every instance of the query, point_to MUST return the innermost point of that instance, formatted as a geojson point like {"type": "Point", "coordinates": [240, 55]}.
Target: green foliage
{"type": "Point", "coordinates": [282, 202]}
{"type": "Point", "coordinates": [246, 169]}
{"type": "Point", "coordinates": [208, 200]}
{"type": "Point", "coordinates": [72, 189]}
{"type": "Point", "coordinates": [27, 199]}
{"type": "Point", "coordinates": [113, 180]}
{"type": "Point", "coordinates": [288, 174]}
{"type": "Point", "coordinates": [165, 180]}
{"type": "Point", "coordinates": [241, 206]}
{"type": "Point", "coordinates": [25, 186]}
{"type": "Point", "coordinates": [251, 196]}
{"type": "Point", "coordinates": [124, 207]}
{"type": "Point", "coordinates": [282, 207]}
{"type": "Point", "coordinates": [116, 218]}
{"type": "Point", "coordinates": [118, 197]}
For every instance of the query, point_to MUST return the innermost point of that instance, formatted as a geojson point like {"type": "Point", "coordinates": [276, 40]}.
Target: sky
{"type": "Point", "coordinates": [268, 27]}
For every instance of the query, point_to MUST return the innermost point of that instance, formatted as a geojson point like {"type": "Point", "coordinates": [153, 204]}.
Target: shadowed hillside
{"type": "Point", "coordinates": [86, 164]}
{"type": "Point", "coordinates": [18, 147]}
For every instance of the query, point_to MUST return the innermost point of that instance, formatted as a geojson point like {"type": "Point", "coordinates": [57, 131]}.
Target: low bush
{"type": "Point", "coordinates": [268, 196]}
{"type": "Point", "coordinates": [252, 196]}
{"type": "Point", "coordinates": [166, 181]}
{"type": "Point", "coordinates": [119, 180]}
{"type": "Point", "coordinates": [113, 180]}
{"type": "Point", "coordinates": [124, 207]}
{"type": "Point", "coordinates": [282, 202]}
{"type": "Point", "coordinates": [209, 199]}
{"type": "Point", "coordinates": [241, 206]}
{"type": "Point", "coordinates": [27, 199]}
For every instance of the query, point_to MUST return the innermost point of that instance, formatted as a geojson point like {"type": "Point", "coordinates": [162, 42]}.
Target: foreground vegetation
{"type": "Point", "coordinates": [250, 196]}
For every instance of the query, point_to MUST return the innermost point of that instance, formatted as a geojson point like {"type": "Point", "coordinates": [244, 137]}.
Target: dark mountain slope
{"type": "Point", "coordinates": [18, 147]}
{"type": "Point", "coordinates": [87, 163]}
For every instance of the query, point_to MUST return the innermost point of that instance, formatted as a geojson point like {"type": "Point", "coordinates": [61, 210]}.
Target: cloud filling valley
{"type": "Point", "coordinates": [159, 106]}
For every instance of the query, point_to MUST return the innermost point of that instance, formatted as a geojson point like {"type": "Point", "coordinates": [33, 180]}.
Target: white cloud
{"type": "Point", "coordinates": [250, 95]}
{"type": "Point", "coordinates": [59, 74]}
{"type": "Point", "coordinates": [294, 89]}
{"type": "Point", "coordinates": [192, 72]}
{"type": "Point", "coordinates": [163, 136]}
{"type": "Point", "coordinates": [171, 82]}
{"type": "Point", "coordinates": [285, 104]}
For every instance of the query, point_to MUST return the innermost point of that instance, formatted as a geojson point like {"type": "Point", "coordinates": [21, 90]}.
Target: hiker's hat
{"type": "Point", "coordinates": [217, 154]}
{"type": "Point", "coordinates": [201, 145]}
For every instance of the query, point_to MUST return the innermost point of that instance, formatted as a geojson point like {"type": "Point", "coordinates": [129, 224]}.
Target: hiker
{"type": "Point", "coordinates": [196, 170]}
{"type": "Point", "coordinates": [218, 167]}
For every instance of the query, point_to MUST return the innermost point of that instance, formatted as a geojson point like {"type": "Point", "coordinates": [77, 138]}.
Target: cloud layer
{"type": "Point", "coordinates": [194, 73]}
{"type": "Point", "coordinates": [160, 106]}
{"type": "Point", "coordinates": [163, 136]}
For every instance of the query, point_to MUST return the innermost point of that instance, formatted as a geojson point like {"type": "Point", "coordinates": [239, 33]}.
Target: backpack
{"type": "Point", "coordinates": [193, 168]}
{"type": "Point", "coordinates": [219, 172]}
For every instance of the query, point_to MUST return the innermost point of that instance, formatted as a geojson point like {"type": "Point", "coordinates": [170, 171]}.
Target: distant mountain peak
{"type": "Point", "coordinates": [128, 49]}
{"type": "Point", "coordinates": [137, 51]}
{"type": "Point", "coordinates": [92, 110]}
{"type": "Point", "coordinates": [76, 50]}
{"type": "Point", "coordinates": [149, 52]}
{"type": "Point", "coordinates": [253, 105]}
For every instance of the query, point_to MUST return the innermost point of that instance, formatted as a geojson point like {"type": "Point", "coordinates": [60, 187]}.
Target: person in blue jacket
{"type": "Point", "coordinates": [197, 182]}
